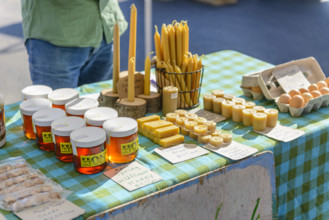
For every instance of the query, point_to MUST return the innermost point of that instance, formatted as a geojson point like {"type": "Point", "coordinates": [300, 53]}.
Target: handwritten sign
{"type": "Point", "coordinates": [291, 78]}
{"type": "Point", "coordinates": [63, 210]}
{"type": "Point", "coordinates": [181, 152]}
{"type": "Point", "coordinates": [133, 176]}
{"type": "Point", "coordinates": [282, 133]}
{"type": "Point", "coordinates": [208, 115]}
{"type": "Point", "coordinates": [233, 150]}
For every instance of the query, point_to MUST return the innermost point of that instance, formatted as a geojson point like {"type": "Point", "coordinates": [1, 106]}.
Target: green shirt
{"type": "Point", "coordinates": [72, 23]}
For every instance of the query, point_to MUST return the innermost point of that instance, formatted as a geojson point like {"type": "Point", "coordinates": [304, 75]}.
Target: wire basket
{"type": "Point", "coordinates": [188, 84]}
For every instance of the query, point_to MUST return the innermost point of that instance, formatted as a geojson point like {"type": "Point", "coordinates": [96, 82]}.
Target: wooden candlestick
{"type": "Point", "coordinates": [153, 102]}
{"type": "Point", "coordinates": [135, 109]}
{"type": "Point", "coordinates": [108, 98]}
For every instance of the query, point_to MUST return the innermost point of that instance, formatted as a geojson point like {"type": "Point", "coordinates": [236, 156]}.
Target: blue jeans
{"type": "Point", "coordinates": [68, 67]}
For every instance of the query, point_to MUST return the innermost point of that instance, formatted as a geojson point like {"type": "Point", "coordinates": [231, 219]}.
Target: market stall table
{"type": "Point", "coordinates": [301, 167]}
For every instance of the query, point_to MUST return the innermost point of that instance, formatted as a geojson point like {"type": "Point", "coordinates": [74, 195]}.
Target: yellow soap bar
{"type": "Point", "coordinates": [141, 121]}
{"type": "Point", "coordinates": [166, 131]}
{"type": "Point", "coordinates": [151, 126]}
{"type": "Point", "coordinates": [171, 141]}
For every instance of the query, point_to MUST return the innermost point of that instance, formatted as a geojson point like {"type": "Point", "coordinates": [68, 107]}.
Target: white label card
{"type": "Point", "coordinates": [233, 150]}
{"type": "Point", "coordinates": [133, 176]}
{"type": "Point", "coordinates": [282, 133]}
{"type": "Point", "coordinates": [181, 152]}
{"type": "Point", "coordinates": [2, 217]}
{"type": "Point", "coordinates": [291, 78]}
{"type": "Point", "coordinates": [208, 115]}
{"type": "Point", "coordinates": [63, 210]}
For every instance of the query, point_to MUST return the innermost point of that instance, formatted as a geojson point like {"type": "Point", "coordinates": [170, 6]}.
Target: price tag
{"type": "Point", "coordinates": [233, 150]}
{"type": "Point", "coordinates": [133, 176]}
{"type": "Point", "coordinates": [62, 209]}
{"type": "Point", "coordinates": [181, 152]}
{"type": "Point", "coordinates": [208, 115]}
{"type": "Point", "coordinates": [282, 133]}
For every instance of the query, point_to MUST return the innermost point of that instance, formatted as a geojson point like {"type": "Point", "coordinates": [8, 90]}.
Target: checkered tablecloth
{"type": "Point", "coordinates": [302, 166]}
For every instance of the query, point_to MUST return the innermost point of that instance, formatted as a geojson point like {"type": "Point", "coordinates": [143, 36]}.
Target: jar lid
{"type": "Point", "coordinates": [36, 91]}
{"type": "Point", "coordinates": [62, 96]}
{"type": "Point", "coordinates": [45, 117]}
{"type": "Point", "coordinates": [120, 127]}
{"type": "Point", "coordinates": [87, 137]}
{"type": "Point", "coordinates": [64, 126]}
{"type": "Point", "coordinates": [97, 116]}
{"type": "Point", "coordinates": [28, 107]}
{"type": "Point", "coordinates": [79, 106]}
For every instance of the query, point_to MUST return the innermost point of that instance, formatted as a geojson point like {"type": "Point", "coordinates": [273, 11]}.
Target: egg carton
{"type": "Point", "coordinates": [251, 80]}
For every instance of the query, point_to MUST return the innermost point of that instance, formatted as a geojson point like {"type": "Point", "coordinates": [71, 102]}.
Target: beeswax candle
{"type": "Point", "coordinates": [211, 125]}
{"type": "Point", "coordinates": [260, 109]}
{"type": "Point", "coordinates": [116, 57]}
{"type": "Point", "coordinates": [249, 104]}
{"type": "Point", "coordinates": [131, 80]}
{"type": "Point", "coordinates": [169, 99]}
{"type": "Point", "coordinates": [204, 139]}
{"type": "Point", "coordinates": [217, 105]}
{"type": "Point", "coordinates": [189, 125]}
{"type": "Point", "coordinates": [208, 102]}
{"type": "Point", "coordinates": [218, 93]}
{"type": "Point", "coordinates": [200, 129]}
{"type": "Point", "coordinates": [181, 121]}
{"type": "Point", "coordinates": [237, 113]}
{"type": "Point", "coordinates": [227, 138]}
{"type": "Point", "coordinates": [133, 31]}
{"type": "Point", "coordinates": [172, 117]}
{"type": "Point", "coordinates": [216, 141]}
{"type": "Point", "coordinates": [272, 117]}
{"type": "Point", "coordinates": [227, 108]}
{"type": "Point", "coordinates": [147, 76]}
{"type": "Point", "coordinates": [157, 44]}
{"type": "Point", "coordinates": [247, 116]}
{"type": "Point", "coordinates": [259, 121]}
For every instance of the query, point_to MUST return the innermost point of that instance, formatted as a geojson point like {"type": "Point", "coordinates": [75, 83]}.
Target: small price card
{"type": "Point", "coordinates": [233, 151]}
{"type": "Point", "coordinates": [62, 209]}
{"type": "Point", "coordinates": [181, 152]}
{"type": "Point", "coordinates": [133, 176]}
{"type": "Point", "coordinates": [282, 133]}
{"type": "Point", "coordinates": [208, 115]}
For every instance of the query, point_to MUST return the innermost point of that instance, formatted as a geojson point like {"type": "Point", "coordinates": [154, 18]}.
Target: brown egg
{"type": "Point", "coordinates": [297, 101]}
{"type": "Point", "coordinates": [324, 90]}
{"type": "Point", "coordinates": [307, 97]}
{"type": "Point", "coordinates": [303, 90]}
{"type": "Point", "coordinates": [313, 87]}
{"type": "Point", "coordinates": [327, 81]}
{"type": "Point", "coordinates": [321, 84]}
{"type": "Point", "coordinates": [294, 92]}
{"type": "Point", "coordinates": [316, 93]}
{"type": "Point", "coordinates": [256, 89]}
{"type": "Point", "coordinates": [284, 98]}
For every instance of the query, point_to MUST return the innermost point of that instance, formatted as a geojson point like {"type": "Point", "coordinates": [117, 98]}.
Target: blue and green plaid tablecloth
{"type": "Point", "coordinates": [302, 165]}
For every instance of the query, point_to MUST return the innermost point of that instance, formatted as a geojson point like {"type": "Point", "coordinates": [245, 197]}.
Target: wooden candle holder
{"type": "Point", "coordinates": [153, 102]}
{"type": "Point", "coordinates": [107, 98]}
{"type": "Point", "coordinates": [135, 109]}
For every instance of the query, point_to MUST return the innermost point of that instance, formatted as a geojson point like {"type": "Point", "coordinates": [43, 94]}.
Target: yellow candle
{"type": "Point", "coordinates": [216, 133]}
{"type": "Point", "coordinates": [204, 139]}
{"type": "Point", "coordinates": [239, 101]}
{"type": "Point", "coordinates": [189, 125]}
{"type": "Point", "coordinates": [208, 102]}
{"type": "Point", "coordinates": [116, 57]}
{"type": "Point", "coordinates": [237, 113]}
{"type": "Point", "coordinates": [179, 53]}
{"type": "Point", "coordinates": [229, 97]}
{"type": "Point", "coordinates": [216, 141]}
{"type": "Point", "coordinates": [157, 44]}
{"type": "Point", "coordinates": [181, 112]}
{"type": "Point", "coordinates": [131, 80]}
{"type": "Point", "coordinates": [227, 138]}
{"type": "Point", "coordinates": [133, 31]}
{"type": "Point", "coordinates": [218, 93]}
{"type": "Point", "coordinates": [272, 117]}
{"type": "Point", "coordinates": [217, 105]}
{"type": "Point", "coordinates": [172, 117]}
{"type": "Point", "coordinates": [247, 116]}
{"type": "Point", "coordinates": [259, 109]}
{"type": "Point", "coordinates": [211, 125]}
{"type": "Point", "coordinates": [184, 51]}
{"type": "Point", "coordinates": [249, 104]}
{"type": "Point", "coordinates": [200, 120]}
{"type": "Point", "coordinates": [259, 121]}
{"type": "Point", "coordinates": [169, 99]}
{"type": "Point", "coordinates": [184, 131]}
{"type": "Point", "coordinates": [191, 116]}
{"type": "Point", "coordinates": [166, 50]}
{"type": "Point", "coordinates": [186, 36]}
{"type": "Point", "coordinates": [172, 43]}
{"type": "Point", "coordinates": [200, 129]}
{"type": "Point", "coordinates": [227, 108]}
{"type": "Point", "coordinates": [147, 76]}
{"type": "Point", "coordinates": [181, 121]}
{"type": "Point", "coordinates": [193, 135]}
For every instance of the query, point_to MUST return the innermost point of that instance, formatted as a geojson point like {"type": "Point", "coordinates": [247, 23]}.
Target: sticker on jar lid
{"type": "Point", "coordinates": [42, 116]}
{"type": "Point", "coordinates": [96, 115]}
{"type": "Point", "coordinates": [129, 148]}
{"type": "Point", "coordinates": [47, 137]}
{"type": "Point", "coordinates": [81, 136]}
{"type": "Point", "coordinates": [174, 95]}
{"type": "Point", "coordinates": [65, 147]}
{"type": "Point", "coordinates": [61, 125]}
{"type": "Point", "coordinates": [93, 160]}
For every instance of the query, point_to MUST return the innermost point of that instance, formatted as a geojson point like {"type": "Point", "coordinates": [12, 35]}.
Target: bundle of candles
{"type": "Point", "coordinates": [176, 66]}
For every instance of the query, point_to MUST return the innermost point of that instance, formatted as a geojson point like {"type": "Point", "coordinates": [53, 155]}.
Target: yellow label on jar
{"type": "Point", "coordinates": [129, 148]}
{"type": "Point", "coordinates": [66, 148]}
{"type": "Point", "coordinates": [47, 137]}
{"type": "Point", "coordinates": [93, 160]}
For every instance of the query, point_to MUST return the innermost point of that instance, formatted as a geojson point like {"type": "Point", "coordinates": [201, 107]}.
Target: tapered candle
{"type": "Point", "coordinates": [186, 35]}
{"type": "Point", "coordinates": [133, 31]}
{"type": "Point", "coordinates": [172, 43]}
{"type": "Point", "coordinates": [157, 44]}
{"type": "Point", "coordinates": [131, 80]}
{"type": "Point", "coordinates": [166, 50]}
{"type": "Point", "coordinates": [116, 57]}
{"type": "Point", "coordinates": [179, 53]}
{"type": "Point", "coordinates": [147, 76]}
{"type": "Point", "coordinates": [184, 51]}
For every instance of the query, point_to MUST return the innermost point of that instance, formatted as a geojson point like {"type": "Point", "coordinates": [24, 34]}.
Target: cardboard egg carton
{"type": "Point", "coordinates": [248, 81]}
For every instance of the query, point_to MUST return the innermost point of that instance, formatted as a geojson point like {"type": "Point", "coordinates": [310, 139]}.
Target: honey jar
{"type": "Point", "coordinates": [61, 129]}
{"type": "Point", "coordinates": [27, 108]}
{"type": "Point", "coordinates": [36, 91]}
{"type": "Point", "coordinates": [97, 116]}
{"type": "Point", "coordinates": [121, 139]}
{"type": "Point", "coordinates": [89, 150]}
{"type": "Point", "coordinates": [42, 120]}
{"type": "Point", "coordinates": [79, 106]}
{"type": "Point", "coordinates": [60, 97]}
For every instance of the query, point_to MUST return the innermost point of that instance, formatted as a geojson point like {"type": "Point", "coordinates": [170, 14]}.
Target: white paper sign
{"type": "Point", "coordinates": [291, 78]}
{"type": "Point", "coordinates": [63, 210]}
{"type": "Point", "coordinates": [282, 133]}
{"type": "Point", "coordinates": [2, 217]}
{"type": "Point", "coordinates": [208, 115]}
{"type": "Point", "coordinates": [133, 176]}
{"type": "Point", "coordinates": [181, 152]}
{"type": "Point", "coordinates": [233, 151]}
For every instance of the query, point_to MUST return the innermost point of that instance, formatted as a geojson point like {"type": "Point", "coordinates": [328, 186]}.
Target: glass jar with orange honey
{"type": "Point", "coordinates": [121, 139]}
{"type": "Point", "coordinates": [36, 91]}
{"type": "Point", "coordinates": [79, 106]}
{"type": "Point", "coordinates": [27, 108]}
{"type": "Point", "coordinates": [89, 150]}
{"type": "Point", "coordinates": [61, 129]}
{"type": "Point", "coordinates": [97, 116]}
{"type": "Point", "coordinates": [42, 120]}
{"type": "Point", "coordinates": [60, 97]}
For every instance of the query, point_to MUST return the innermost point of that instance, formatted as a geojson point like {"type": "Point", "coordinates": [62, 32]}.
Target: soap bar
{"type": "Point", "coordinates": [204, 139]}
{"type": "Point", "coordinates": [171, 141]}
{"type": "Point", "coordinates": [217, 105]}
{"type": "Point", "coordinates": [211, 125]}
{"type": "Point", "coordinates": [237, 113]}
{"type": "Point", "coordinates": [181, 121]}
{"type": "Point", "coordinates": [200, 120]}
{"type": "Point", "coordinates": [192, 135]}
{"type": "Point", "coordinates": [172, 117]}
{"type": "Point", "coordinates": [259, 121]}
{"type": "Point", "coordinates": [216, 141]}
{"type": "Point", "coordinates": [227, 138]}
{"type": "Point", "coordinates": [166, 131]}
{"type": "Point", "coordinates": [227, 107]}
{"type": "Point", "coordinates": [247, 116]}
{"type": "Point", "coordinates": [200, 129]}
{"type": "Point", "coordinates": [189, 125]}
{"type": "Point", "coordinates": [181, 112]}
{"type": "Point", "coordinates": [141, 121]}
{"type": "Point", "coordinates": [207, 102]}
{"type": "Point", "coordinates": [151, 126]}
{"type": "Point", "coordinates": [272, 117]}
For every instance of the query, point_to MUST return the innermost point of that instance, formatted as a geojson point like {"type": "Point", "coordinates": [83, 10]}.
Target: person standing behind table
{"type": "Point", "coordinates": [69, 42]}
